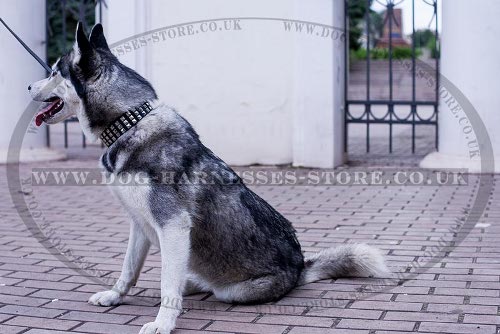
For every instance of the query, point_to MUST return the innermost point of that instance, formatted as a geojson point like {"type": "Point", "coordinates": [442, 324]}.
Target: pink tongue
{"type": "Point", "coordinates": [39, 119]}
{"type": "Point", "coordinates": [41, 115]}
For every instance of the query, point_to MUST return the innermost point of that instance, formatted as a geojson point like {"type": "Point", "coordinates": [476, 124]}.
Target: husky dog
{"type": "Point", "coordinates": [217, 237]}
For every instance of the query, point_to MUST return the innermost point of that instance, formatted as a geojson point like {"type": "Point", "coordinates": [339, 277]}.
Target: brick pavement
{"type": "Point", "coordinates": [39, 293]}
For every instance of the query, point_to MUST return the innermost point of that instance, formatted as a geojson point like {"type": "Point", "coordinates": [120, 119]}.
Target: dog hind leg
{"type": "Point", "coordinates": [256, 290]}
{"type": "Point", "coordinates": [194, 286]}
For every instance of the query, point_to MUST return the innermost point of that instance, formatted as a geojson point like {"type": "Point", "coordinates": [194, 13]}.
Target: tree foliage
{"type": "Point", "coordinates": [62, 17]}
{"type": "Point", "coordinates": [426, 38]}
{"type": "Point", "coordinates": [423, 37]}
{"type": "Point", "coordinates": [357, 15]}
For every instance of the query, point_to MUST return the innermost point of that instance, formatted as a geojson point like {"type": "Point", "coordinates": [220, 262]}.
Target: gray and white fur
{"type": "Point", "coordinates": [220, 237]}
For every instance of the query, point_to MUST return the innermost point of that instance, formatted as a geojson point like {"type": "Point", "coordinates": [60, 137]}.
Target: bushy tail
{"type": "Point", "coordinates": [350, 260]}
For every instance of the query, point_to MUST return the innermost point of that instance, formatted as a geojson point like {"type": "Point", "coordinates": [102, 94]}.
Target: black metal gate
{"type": "Point", "coordinates": [384, 45]}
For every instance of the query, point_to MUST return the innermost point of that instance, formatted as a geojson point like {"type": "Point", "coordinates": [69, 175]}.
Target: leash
{"type": "Point", "coordinates": [117, 128]}
{"type": "Point", "coordinates": [33, 54]}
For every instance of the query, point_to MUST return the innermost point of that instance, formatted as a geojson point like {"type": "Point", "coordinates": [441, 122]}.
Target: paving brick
{"type": "Point", "coordinates": [38, 276]}
{"type": "Point", "coordinates": [32, 311]}
{"type": "Point", "coordinates": [48, 285]}
{"type": "Point", "coordinates": [221, 315]}
{"type": "Point", "coordinates": [97, 317]}
{"type": "Point", "coordinates": [14, 290]}
{"type": "Point", "coordinates": [482, 319]}
{"type": "Point", "coordinates": [385, 306]}
{"type": "Point", "coordinates": [345, 313]}
{"type": "Point", "coordinates": [75, 306]}
{"type": "Point", "coordinates": [42, 323]}
{"type": "Point", "coordinates": [24, 267]}
{"type": "Point", "coordinates": [457, 309]}
{"type": "Point", "coordinates": [4, 317]}
{"type": "Point", "coordinates": [100, 328]}
{"type": "Point", "coordinates": [376, 324]}
{"type": "Point", "coordinates": [430, 299]}
{"type": "Point", "coordinates": [484, 300]}
{"type": "Point", "coordinates": [9, 281]}
{"type": "Point", "coordinates": [456, 328]}
{"type": "Point", "coordinates": [271, 309]}
{"type": "Point", "coordinates": [5, 329]}
{"type": "Point", "coordinates": [62, 295]}
{"type": "Point", "coordinates": [226, 326]}
{"type": "Point", "coordinates": [134, 310]}
{"type": "Point", "coordinates": [19, 300]}
{"type": "Point", "coordinates": [421, 316]}
{"type": "Point", "coordinates": [296, 320]}
{"type": "Point", "coordinates": [467, 292]}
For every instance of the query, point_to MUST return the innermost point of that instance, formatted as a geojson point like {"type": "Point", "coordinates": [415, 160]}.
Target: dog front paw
{"type": "Point", "coordinates": [155, 328]}
{"type": "Point", "coordinates": [105, 298]}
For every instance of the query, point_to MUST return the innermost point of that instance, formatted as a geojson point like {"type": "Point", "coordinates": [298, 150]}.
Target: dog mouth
{"type": "Point", "coordinates": [55, 105]}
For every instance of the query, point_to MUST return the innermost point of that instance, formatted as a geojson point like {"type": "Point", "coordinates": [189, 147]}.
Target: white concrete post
{"type": "Point", "coordinates": [318, 109]}
{"type": "Point", "coordinates": [470, 60]}
{"type": "Point", "coordinates": [17, 70]}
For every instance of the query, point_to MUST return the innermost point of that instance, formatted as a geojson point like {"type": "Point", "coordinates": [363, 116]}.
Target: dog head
{"type": "Point", "coordinates": [57, 94]}
{"type": "Point", "coordinates": [91, 83]}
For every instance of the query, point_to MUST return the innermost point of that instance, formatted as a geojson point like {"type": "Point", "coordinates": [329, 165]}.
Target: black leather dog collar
{"type": "Point", "coordinates": [124, 123]}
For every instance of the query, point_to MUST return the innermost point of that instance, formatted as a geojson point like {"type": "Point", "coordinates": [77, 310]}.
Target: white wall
{"type": "Point", "coordinates": [18, 69]}
{"type": "Point", "coordinates": [255, 95]}
{"type": "Point", "coordinates": [470, 60]}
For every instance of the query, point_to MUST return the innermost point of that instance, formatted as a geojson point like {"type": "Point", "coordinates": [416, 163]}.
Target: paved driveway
{"type": "Point", "coordinates": [459, 293]}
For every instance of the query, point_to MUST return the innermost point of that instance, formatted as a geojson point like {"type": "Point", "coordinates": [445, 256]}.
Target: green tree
{"type": "Point", "coordinates": [423, 37]}
{"type": "Point", "coordinates": [426, 38]}
{"type": "Point", "coordinates": [60, 37]}
{"type": "Point", "coordinates": [357, 16]}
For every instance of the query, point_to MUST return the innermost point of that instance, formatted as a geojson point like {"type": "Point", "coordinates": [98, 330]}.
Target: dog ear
{"type": "Point", "coordinates": [97, 39]}
{"type": "Point", "coordinates": [85, 59]}
{"type": "Point", "coordinates": [82, 42]}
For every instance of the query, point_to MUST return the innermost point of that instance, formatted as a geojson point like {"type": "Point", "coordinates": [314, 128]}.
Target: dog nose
{"type": "Point", "coordinates": [29, 87]}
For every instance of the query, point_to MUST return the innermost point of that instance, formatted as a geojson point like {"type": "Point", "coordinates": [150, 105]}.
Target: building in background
{"type": "Point", "coordinates": [396, 38]}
